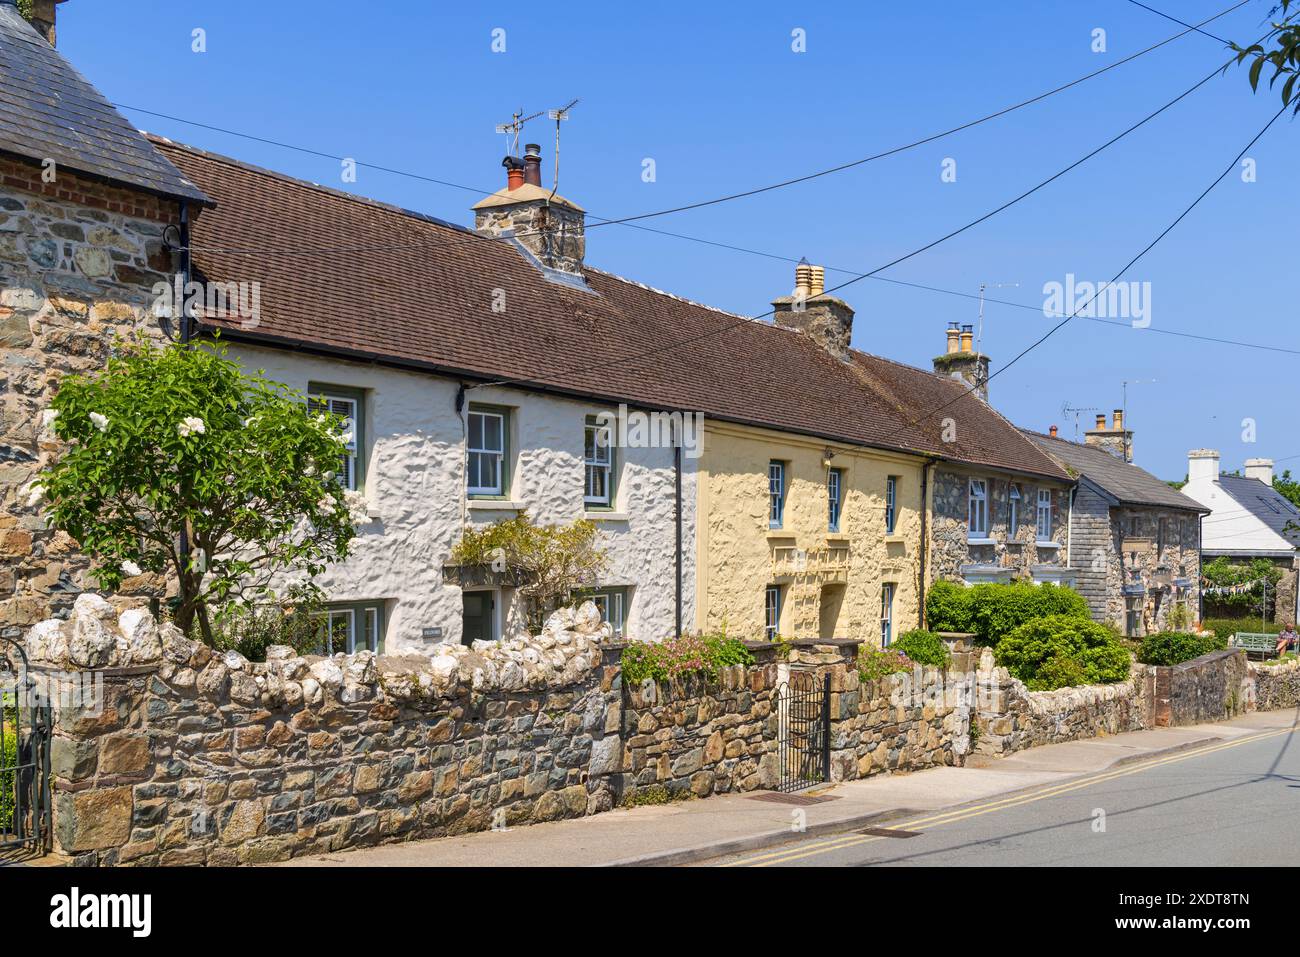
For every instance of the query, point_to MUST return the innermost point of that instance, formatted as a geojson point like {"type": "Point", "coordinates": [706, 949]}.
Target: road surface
{"type": "Point", "coordinates": [1225, 804]}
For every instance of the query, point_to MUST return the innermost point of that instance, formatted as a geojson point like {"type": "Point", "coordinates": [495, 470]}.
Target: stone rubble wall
{"type": "Point", "coordinates": [201, 757]}
{"type": "Point", "coordinates": [1210, 688]}
{"type": "Point", "coordinates": [1274, 687]}
{"type": "Point", "coordinates": [1011, 718]}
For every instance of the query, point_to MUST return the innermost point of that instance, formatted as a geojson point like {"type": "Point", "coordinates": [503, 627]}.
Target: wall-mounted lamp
{"type": "Point", "coordinates": [827, 456]}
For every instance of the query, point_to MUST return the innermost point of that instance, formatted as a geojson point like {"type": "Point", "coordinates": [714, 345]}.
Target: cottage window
{"type": "Point", "coordinates": [348, 406]}
{"type": "Point", "coordinates": [886, 614]}
{"type": "Point", "coordinates": [772, 612]}
{"type": "Point", "coordinates": [487, 451]}
{"type": "Point", "coordinates": [775, 493]}
{"type": "Point", "coordinates": [612, 603]}
{"type": "Point", "coordinates": [834, 497]}
{"type": "Point", "coordinates": [891, 503]}
{"type": "Point", "coordinates": [1044, 525]}
{"type": "Point", "coordinates": [598, 461]}
{"type": "Point", "coordinates": [1013, 511]}
{"type": "Point", "coordinates": [978, 509]}
{"type": "Point", "coordinates": [350, 627]}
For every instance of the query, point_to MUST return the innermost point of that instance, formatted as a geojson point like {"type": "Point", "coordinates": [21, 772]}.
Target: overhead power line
{"type": "Point", "coordinates": [625, 220]}
{"type": "Point", "coordinates": [669, 347]}
{"type": "Point", "coordinates": [1184, 23]}
{"type": "Point", "coordinates": [1165, 232]}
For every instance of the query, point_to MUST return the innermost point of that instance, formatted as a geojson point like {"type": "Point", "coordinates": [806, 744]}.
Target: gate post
{"type": "Point", "coordinates": [826, 726]}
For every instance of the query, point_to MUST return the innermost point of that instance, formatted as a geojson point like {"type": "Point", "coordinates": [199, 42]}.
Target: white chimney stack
{"type": "Point", "coordinates": [1261, 469]}
{"type": "Point", "coordinates": [1202, 466]}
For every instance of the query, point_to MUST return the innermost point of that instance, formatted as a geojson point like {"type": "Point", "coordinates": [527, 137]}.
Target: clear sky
{"type": "Point", "coordinates": [715, 95]}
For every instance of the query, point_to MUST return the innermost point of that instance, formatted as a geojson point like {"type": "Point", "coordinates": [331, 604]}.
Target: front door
{"type": "Point", "coordinates": [479, 617]}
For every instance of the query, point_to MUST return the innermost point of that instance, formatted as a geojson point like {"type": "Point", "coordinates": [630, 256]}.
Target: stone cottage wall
{"type": "Point", "coordinates": [950, 545]}
{"type": "Point", "coordinates": [1210, 688]}
{"type": "Point", "coordinates": [1274, 687]}
{"type": "Point", "coordinates": [78, 262]}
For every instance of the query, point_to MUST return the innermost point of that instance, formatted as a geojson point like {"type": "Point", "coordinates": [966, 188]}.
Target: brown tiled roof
{"type": "Point", "coordinates": [1123, 481]}
{"type": "Point", "coordinates": [417, 291]}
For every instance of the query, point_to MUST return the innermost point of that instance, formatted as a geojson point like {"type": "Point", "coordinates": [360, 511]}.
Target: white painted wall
{"type": "Point", "coordinates": [1230, 527]}
{"type": "Point", "coordinates": [415, 484]}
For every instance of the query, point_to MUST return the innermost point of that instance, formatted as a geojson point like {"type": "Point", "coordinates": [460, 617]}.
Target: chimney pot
{"type": "Point", "coordinates": [817, 286]}
{"type": "Point", "coordinates": [1119, 420]}
{"type": "Point", "coordinates": [533, 164]}
{"type": "Point", "coordinates": [968, 338]}
{"type": "Point", "coordinates": [803, 280]}
{"type": "Point", "coordinates": [1052, 431]}
{"type": "Point", "coordinates": [1101, 422]}
{"type": "Point", "coordinates": [1202, 465]}
{"type": "Point", "coordinates": [514, 172]}
{"type": "Point", "coordinates": [954, 336]}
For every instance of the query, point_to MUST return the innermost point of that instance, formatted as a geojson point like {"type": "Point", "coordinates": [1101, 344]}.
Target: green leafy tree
{"type": "Point", "coordinates": [1287, 487]}
{"type": "Point", "coordinates": [1280, 51]}
{"type": "Point", "coordinates": [174, 444]}
{"type": "Point", "coordinates": [1222, 572]}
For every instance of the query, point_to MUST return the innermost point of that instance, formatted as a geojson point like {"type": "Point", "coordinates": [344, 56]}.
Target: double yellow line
{"type": "Point", "coordinates": [950, 817]}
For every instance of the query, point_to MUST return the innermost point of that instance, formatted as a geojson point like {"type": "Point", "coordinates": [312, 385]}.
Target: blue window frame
{"type": "Point", "coordinates": [772, 612]}
{"type": "Point", "coordinates": [891, 503]}
{"type": "Point", "coordinates": [886, 614]}
{"type": "Point", "coordinates": [775, 493]}
{"type": "Point", "coordinates": [834, 497]}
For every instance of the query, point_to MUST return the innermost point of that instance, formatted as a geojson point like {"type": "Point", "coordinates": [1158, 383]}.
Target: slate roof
{"type": "Point", "coordinates": [1265, 503]}
{"type": "Point", "coordinates": [50, 111]}
{"type": "Point", "coordinates": [407, 289]}
{"type": "Point", "coordinates": [1123, 481]}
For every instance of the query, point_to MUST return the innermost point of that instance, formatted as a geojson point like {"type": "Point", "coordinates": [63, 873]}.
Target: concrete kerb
{"type": "Point", "coordinates": [758, 842]}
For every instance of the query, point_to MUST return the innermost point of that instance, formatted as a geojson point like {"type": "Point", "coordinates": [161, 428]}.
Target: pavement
{"type": "Point", "coordinates": [730, 826]}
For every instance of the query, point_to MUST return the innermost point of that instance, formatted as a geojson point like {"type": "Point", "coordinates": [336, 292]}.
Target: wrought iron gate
{"type": "Point", "coordinates": [24, 758]}
{"type": "Point", "coordinates": [804, 730]}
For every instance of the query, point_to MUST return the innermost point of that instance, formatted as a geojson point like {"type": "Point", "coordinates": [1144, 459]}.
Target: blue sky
{"type": "Point", "coordinates": [716, 97]}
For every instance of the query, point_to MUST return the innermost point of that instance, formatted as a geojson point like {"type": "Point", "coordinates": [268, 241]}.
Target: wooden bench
{"type": "Point", "coordinates": [1255, 642]}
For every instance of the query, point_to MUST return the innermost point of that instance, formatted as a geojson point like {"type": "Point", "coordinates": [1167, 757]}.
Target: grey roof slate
{"type": "Point", "coordinates": [1123, 481]}
{"type": "Point", "coordinates": [1264, 502]}
{"type": "Point", "coordinates": [50, 111]}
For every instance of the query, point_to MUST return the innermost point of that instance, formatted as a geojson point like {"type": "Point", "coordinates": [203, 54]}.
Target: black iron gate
{"type": "Point", "coordinates": [24, 758]}
{"type": "Point", "coordinates": [804, 730]}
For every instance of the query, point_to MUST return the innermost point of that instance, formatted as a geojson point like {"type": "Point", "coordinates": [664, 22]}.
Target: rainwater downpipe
{"type": "Point", "coordinates": [677, 470]}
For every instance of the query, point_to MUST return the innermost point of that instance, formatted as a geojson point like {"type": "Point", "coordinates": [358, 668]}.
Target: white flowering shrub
{"type": "Point", "coordinates": [175, 442]}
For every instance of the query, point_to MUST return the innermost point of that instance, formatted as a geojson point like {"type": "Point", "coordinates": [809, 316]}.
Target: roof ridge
{"type": "Point", "coordinates": [307, 184]}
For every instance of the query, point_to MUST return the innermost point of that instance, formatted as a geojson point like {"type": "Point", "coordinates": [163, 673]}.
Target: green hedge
{"type": "Point", "coordinates": [923, 647]}
{"type": "Point", "coordinates": [1173, 647]}
{"type": "Point", "coordinates": [1060, 651]}
{"type": "Point", "coordinates": [994, 610]}
{"type": "Point", "coordinates": [1225, 628]}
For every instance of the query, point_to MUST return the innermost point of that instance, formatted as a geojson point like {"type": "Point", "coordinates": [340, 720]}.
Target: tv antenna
{"type": "Point", "coordinates": [511, 129]}
{"type": "Point", "coordinates": [559, 116]}
{"type": "Point", "coordinates": [1068, 410]}
{"type": "Point", "coordinates": [979, 336]}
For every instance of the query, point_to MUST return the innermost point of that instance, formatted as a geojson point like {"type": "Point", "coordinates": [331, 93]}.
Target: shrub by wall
{"type": "Point", "coordinates": [1225, 628]}
{"type": "Point", "coordinates": [1174, 647]}
{"type": "Point", "coordinates": [924, 647]}
{"type": "Point", "coordinates": [994, 610]}
{"type": "Point", "coordinates": [1060, 651]}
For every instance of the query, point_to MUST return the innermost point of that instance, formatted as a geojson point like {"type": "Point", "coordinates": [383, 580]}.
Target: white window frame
{"type": "Point", "coordinates": [598, 465]}
{"type": "Point", "coordinates": [977, 507]}
{"type": "Point", "coordinates": [612, 603]}
{"type": "Point", "coordinates": [891, 504]}
{"type": "Point", "coordinates": [776, 489]}
{"type": "Point", "coordinates": [370, 614]}
{"type": "Point", "coordinates": [349, 408]}
{"type": "Point", "coordinates": [1043, 515]}
{"type": "Point", "coordinates": [772, 612]}
{"type": "Point", "coordinates": [484, 452]}
{"type": "Point", "coordinates": [886, 614]}
{"type": "Point", "coordinates": [1013, 510]}
{"type": "Point", "coordinates": [834, 498]}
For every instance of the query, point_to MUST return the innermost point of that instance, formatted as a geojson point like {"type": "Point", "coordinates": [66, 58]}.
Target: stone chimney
{"type": "Point", "coordinates": [550, 228]}
{"type": "Point", "coordinates": [1202, 466]}
{"type": "Point", "coordinates": [827, 320]}
{"type": "Point", "coordinates": [1116, 440]}
{"type": "Point", "coordinates": [1261, 469]}
{"type": "Point", "coordinates": [961, 361]}
{"type": "Point", "coordinates": [43, 16]}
